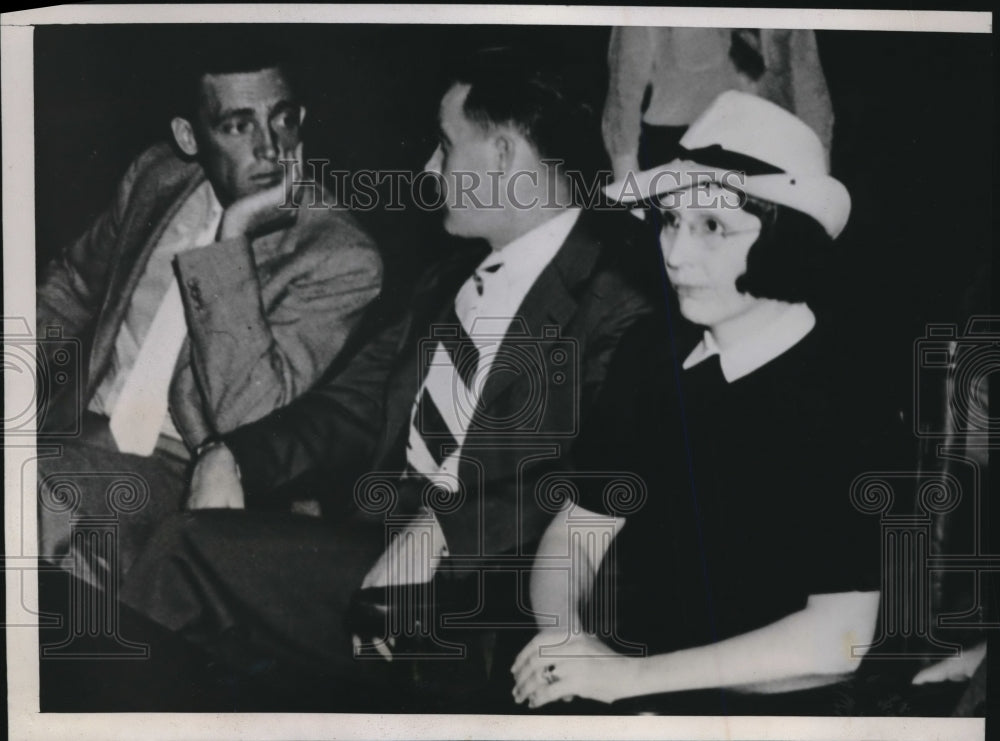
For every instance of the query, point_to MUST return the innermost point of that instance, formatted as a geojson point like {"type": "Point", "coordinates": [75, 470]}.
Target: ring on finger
{"type": "Point", "coordinates": [548, 674]}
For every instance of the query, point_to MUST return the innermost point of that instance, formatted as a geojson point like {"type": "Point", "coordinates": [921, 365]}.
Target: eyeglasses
{"type": "Point", "coordinates": [707, 230]}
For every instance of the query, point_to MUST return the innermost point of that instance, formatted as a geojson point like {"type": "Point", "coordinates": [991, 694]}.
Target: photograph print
{"type": "Point", "coordinates": [522, 370]}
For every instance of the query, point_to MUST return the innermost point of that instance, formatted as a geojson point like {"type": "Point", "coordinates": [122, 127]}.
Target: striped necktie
{"type": "Point", "coordinates": [447, 399]}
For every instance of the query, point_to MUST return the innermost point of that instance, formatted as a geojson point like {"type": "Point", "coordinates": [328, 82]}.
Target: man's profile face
{"type": "Point", "coordinates": [246, 123]}
{"type": "Point", "coordinates": [463, 158]}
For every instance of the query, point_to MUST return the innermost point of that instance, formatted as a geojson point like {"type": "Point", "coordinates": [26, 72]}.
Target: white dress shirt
{"type": "Point", "coordinates": [194, 225]}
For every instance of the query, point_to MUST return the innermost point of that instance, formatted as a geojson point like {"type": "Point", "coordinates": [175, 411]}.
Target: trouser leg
{"type": "Point", "coordinates": [263, 591]}
{"type": "Point", "coordinates": [97, 507]}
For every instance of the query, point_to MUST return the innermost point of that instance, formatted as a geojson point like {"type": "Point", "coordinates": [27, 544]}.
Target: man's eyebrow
{"type": "Point", "coordinates": [225, 113]}
{"type": "Point", "coordinates": [283, 105]}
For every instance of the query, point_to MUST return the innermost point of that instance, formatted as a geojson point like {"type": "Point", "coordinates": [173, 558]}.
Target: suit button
{"type": "Point", "coordinates": [195, 292]}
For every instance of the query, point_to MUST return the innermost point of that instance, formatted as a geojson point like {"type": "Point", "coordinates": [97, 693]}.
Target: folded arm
{"type": "Point", "coordinates": [329, 431]}
{"type": "Point", "coordinates": [569, 555]}
{"type": "Point", "coordinates": [805, 648]}
{"type": "Point", "coordinates": [252, 357]}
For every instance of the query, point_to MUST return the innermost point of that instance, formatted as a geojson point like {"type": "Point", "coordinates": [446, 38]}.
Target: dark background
{"type": "Point", "coordinates": [914, 112]}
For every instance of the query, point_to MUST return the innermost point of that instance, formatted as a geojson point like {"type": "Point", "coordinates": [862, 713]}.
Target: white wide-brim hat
{"type": "Point", "coordinates": [749, 144]}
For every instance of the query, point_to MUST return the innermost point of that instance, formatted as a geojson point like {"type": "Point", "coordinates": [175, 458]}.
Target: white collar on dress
{"type": "Point", "coordinates": [759, 348]}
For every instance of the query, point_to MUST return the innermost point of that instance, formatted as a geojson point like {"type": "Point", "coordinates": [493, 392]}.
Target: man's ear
{"type": "Point", "coordinates": [504, 148]}
{"type": "Point", "coordinates": [184, 135]}
{"type": "Point", "coordinates": [302, 114]}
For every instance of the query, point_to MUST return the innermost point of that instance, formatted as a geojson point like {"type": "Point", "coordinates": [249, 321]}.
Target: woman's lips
{"type": "Point", "coordinates": [689, 290]}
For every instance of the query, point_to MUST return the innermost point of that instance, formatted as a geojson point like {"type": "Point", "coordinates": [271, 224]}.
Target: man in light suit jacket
{"type": "Point", "coordinates": [437, 433]}
{"type": "Point", "coordinates": [202, 300]}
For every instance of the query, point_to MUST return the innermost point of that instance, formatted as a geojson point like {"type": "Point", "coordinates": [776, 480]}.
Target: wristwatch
{"type": "Point", "coordinates": [217, 442]}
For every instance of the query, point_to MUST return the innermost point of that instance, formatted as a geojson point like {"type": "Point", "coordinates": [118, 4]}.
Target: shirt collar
{"type": "Point", "coordinates": [213, 213]}
{"type": "Point", "coordinates": [758, 349]}
{"type": "Point", "coordinates": [528, 254]}
{"type": "Point", "coordinates": [200, 216]}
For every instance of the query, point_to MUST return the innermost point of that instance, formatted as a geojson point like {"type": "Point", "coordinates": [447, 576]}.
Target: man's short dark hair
{"type": "Point", "coordinates": [226, 51]}
{"type": "Point", "coordinates": [790, 259]}
{"type": "Point", "coordinates": [520, 89]}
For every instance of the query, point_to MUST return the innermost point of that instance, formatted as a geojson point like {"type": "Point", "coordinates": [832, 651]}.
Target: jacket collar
{"type": "Point", "coordinates": [157, 195]}
{"type": "Point", "coordinates": [550, 303]}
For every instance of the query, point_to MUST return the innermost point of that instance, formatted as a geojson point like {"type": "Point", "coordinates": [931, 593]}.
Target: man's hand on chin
{"type": "Point", "coordinates": [263, 210]}
{"type": "Point", "coordinates": [215, 481]}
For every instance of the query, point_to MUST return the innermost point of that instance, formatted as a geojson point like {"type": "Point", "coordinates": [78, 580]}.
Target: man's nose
{"type": "Point", "coordinates": [266, 143]}
{"type": "Point", "coordinates": [434, 163]}
{"type": "Point", "coordinates": [678, 246]}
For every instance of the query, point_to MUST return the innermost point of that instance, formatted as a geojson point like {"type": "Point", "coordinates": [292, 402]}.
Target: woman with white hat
{"type": "Point", "coordinates": [737, 558]}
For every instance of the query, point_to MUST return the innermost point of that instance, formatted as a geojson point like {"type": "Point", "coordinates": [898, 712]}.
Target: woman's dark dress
{"type": "Point", "coordinates": [748, 508]}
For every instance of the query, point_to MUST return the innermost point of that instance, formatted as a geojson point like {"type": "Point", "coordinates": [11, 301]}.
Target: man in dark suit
{"type": "Point", "coordinates": [427, 449]}
{"type": "Point", "coordinates": [201, 299]}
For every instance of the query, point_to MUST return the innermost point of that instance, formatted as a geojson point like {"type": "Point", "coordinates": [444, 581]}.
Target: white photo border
{"type": "Point", "coordinates": [25, 720]}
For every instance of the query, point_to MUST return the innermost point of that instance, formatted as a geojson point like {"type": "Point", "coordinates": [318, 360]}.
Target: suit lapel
{"type": "Point", "coordinates": [432, 303]}
{"type": "Point", "coordinates": [137, 242]}
{"type": "Point", "coordinates": [550, 302]}
{"type": "Point", "coordinates": [548, 305]}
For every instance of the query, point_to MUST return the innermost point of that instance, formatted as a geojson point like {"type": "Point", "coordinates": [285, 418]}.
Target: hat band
{"type": "Point", "coordinates": [718, 157]}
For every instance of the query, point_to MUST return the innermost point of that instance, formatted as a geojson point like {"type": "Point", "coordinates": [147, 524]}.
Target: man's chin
{"type": "Point", "coordinates": [448, 224]}
{"type": "Point", "coordinates": [456, 226]}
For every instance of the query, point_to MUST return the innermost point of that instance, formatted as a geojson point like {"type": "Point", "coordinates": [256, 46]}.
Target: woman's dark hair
{"type": "Point", "coordinates": [789, 261]}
